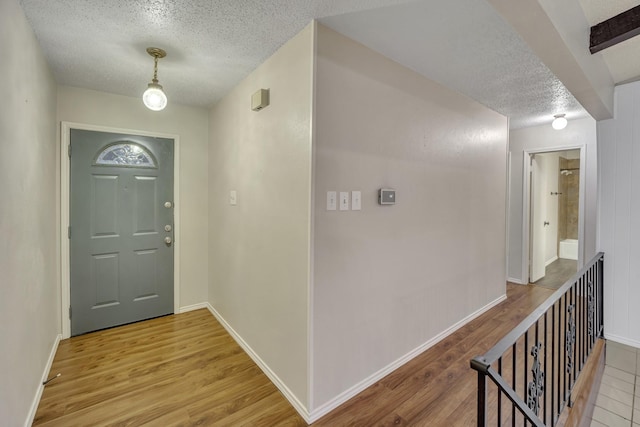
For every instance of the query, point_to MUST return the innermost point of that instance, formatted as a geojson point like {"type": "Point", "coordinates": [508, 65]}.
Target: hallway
{"type": "Point", "coordinates": [186, 370]}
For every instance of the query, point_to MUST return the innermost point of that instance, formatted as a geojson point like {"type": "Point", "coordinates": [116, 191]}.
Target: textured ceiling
{"type": "Point", "coordinates": [465, 45]}
{"type": "Point", "coordinates": [213, 44]}
{"type": "Point", "coordinates": [622, 59]}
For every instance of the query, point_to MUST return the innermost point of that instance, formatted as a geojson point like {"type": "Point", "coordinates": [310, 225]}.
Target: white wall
{"type": "Point", "coordinates": [29, 297]}
{"type": "Point", "coordinates": [619, 222]}
{"type": "Point", "coordinates": [388, 279]}
{"type": "Point", "coordinates": [259, 249]}
{"type": "Point", "coordinates": [191, 125]}
{"type": "Point", "coordinates": [577, 133]}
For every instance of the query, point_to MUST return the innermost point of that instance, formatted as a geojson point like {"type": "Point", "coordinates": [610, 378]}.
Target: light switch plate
{"type": "Point", "coordinates": [344, 200]}
{"type": "Point", "coordinates": [356, 200]}
{"type": "Point", "coordinates": [331, 200]}
{"type": "Point", "coordinates": [233, 198]}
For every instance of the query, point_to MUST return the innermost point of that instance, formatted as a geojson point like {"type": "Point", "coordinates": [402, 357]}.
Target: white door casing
{"type": "Point", "coordinates": [526, 202]}
{"type": "Point", "coordinates": [537, 247]}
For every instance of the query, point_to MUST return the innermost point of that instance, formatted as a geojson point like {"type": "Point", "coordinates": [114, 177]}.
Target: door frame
{"type": "Point", "coordinates": [65, 170]}
{"type": "Point", "coordinates": [526, 203]}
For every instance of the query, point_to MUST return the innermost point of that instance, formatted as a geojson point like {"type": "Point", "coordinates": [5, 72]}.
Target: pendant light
{"type": "Point", "coordinates": [154, 97]}
{"type": "Point", "coordinates": [559, 122]}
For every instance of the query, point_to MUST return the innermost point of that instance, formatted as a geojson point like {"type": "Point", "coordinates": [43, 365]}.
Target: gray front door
{"type": "Point", "coordinates": [121, 228]}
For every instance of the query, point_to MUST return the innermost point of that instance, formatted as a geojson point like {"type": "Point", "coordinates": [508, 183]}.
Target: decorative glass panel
{"type": "Point", "coordinates": [126, 154]}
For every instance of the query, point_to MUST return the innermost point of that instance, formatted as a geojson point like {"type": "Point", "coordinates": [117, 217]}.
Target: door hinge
{"type": "Point", "coordinates": [69, 150]}
{"type": "Point", "coordinates": [68, 232]}
{"type": "Point", "coordinates": [69, 312]}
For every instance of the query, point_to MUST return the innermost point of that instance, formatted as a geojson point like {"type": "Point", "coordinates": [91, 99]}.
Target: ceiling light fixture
{"type": "Point", "coordinates": [559, 122]}
{"type": "Point", "coordinates": [154, 97]}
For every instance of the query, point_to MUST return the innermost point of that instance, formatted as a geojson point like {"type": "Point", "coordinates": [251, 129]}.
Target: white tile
{"type": "Point", "coordinates": [616, 383]}
{"type": "Point", "coordinates": [614, 406]}
{"type": "Point", "coordinates": [636, 415]}
{"type": "Point", "coordinates": [614, 393]}
{"type": "Point", "coordinates": [636, 403]}
{"type": "Point", "coordinates": [621, 375]}
{"type": "Point", "coordinates": [621, 359]}
{"type": "Point", "coordinates": [609, 419]}
{"type": "Point", "coordinates": [597, 424]}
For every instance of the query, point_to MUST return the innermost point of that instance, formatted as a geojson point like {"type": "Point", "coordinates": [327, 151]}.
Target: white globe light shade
{"type": "Point", "coordinates": [559, 123]}
{"type": "Point", "coordinates": [154, 97]}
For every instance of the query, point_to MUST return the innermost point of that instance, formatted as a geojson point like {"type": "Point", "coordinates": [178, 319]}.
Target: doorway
{"type": "Point", "coordinates": [554, 217]}
{"type": "Point", "coordinates": [149, 285]}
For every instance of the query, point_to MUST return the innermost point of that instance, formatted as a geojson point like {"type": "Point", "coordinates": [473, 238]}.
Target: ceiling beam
{"type": "Point", "coordinates": [615, 30]}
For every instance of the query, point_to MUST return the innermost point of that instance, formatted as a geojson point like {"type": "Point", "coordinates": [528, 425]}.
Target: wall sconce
{"type": "Point", "coordinates": [559, 122]}
{"type": "Point", "coordinates": [154, 97]}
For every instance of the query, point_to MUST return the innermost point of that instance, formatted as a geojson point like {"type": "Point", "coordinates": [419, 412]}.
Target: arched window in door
{"type": "Point", "coordinates": [126, 154]}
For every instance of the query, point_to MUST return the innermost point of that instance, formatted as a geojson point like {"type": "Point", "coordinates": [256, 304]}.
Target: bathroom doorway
{"type": "Point", "coordinates": [554, 217]}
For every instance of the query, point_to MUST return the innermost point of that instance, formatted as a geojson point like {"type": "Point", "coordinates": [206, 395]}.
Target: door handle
{"type": "Point", "coordinates": [168, 240]}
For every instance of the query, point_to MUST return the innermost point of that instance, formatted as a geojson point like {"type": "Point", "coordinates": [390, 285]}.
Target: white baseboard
{"type": "Point", "coordinates": [47, 368]}
{"type": "Point", "coordinates": [554, 259]}
{"type": "Point", "coordinates": [265, 368]}
{"type": "Point", "coordinates": [622, 340]}
{"type": "Point", "coordinates": [372, 379]}
{"type": "Point", "coordinates": [516, 281]}
{"type": "Point", "coordinates": [193, 307]}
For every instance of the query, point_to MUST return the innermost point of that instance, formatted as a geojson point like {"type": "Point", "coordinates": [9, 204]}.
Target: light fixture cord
{"type": "Point", "coordinates": [155, 69]}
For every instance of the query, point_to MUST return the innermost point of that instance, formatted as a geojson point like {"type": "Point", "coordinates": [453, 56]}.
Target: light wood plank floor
{"type": "Point", "coordinates": [185, 370]}
{"type": "Point", "coordinates": [181, 370]}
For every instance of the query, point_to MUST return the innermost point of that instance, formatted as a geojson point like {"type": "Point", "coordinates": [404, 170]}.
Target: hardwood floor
{"type": "Point", "coordinates": [181, 370]}
{"type": "Point", "coordinates": [185, 370]}
{"type": "Point", "coordinates": [438, 388]}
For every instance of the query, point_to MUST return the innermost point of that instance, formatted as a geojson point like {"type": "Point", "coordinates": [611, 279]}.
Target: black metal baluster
{"type": "Point", "coordinates": [482, 399]}
{"type": "Point", "coordinates": [576, 310]}
{"type": "Point", "coordinates": [601, 297]}
{"type": "Point", "coordinates": [579, 320]}
{"type": "Point", "coordinates": [594, 301]}
{"type": "Point", "coordinates": [526, 364]}
{"type": "Point", "coordinates": [514, 352]}
{"type": "Point", "coordinates": [553, 362]}
{"type": "Point", "coordinates": [564, 345]}
{"type": "Point", "coordinates": [499, 424]}
{"type": "Point", "coordinates": [544, 414]}
{"type": "Point", "coordinates": [578, 315]}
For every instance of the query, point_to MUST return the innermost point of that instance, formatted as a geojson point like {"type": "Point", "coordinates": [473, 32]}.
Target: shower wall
{"type": "Point", "coordinates": [568, 206]}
